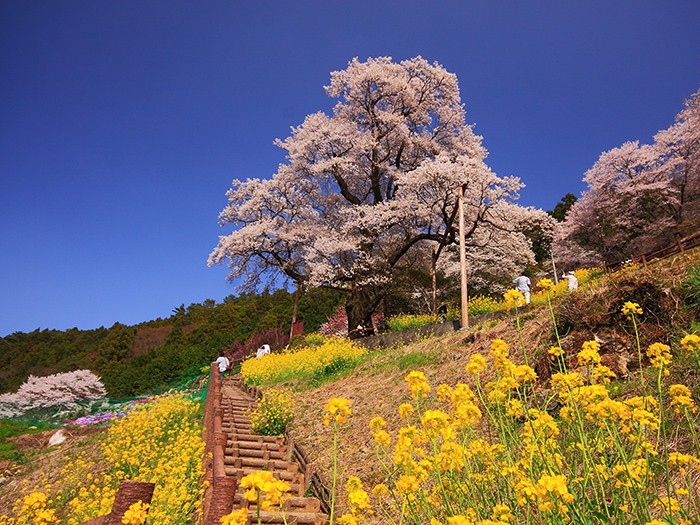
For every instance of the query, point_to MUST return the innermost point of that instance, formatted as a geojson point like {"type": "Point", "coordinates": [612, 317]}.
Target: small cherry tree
{"type": "Point", "coordinates": [49, 391]}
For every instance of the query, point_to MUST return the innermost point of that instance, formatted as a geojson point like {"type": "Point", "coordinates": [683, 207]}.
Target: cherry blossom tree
{"type": "Point", "coordinates": [62, 389]}
{"type": "Point", "coordinates": [639, 197]}
{"type": "Point", "coordinates": [361, 188]}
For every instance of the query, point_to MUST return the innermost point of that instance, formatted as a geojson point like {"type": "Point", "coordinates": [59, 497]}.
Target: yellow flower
{"type": "Point", "coordinates": [380, 490]}
{"type": "Point", "coordinates": [513, 299]}
{"type": "Point", "coordinates": [555, 351]}
{"type": "Point", "coordinates": [264, 488]}
{"type": "Point", "coordinates": [659, 355]}
{"type": "Point", "coordinates": [499, 349]}
{"type": "Point", "coordinates": [407, 484]}
{"type": "Point", "coordinates": [417, 384]}
{"type": "Point", "coordinates": [603, 374]}
{"type": "Point", "coordinates": [502, 513]}
{"type": "Point", "coordinates": [691, 343]}
{"type": "Point", "coordinates": [681, 397]}
{"type": "Point", "coordinates": [630, 308]}
{"type": "Point", "coordinates": [546, 284]}
{"type": "Point", "coordinates": [589, 354]}
{"type": "Point", "coordinates": [237, 517]}
{"type": "Point", "coordinates": [339, 408]}
{"type": "Point", "coordinates": [377, 423]}
{"type": "Point", "coordinates": [405, 410]}
{"type": "Point", "coordinates": [476, 364]}
{"type": "Point", "coordinates": [136, 514]}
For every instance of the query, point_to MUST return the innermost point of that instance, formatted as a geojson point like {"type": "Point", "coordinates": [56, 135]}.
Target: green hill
{"type": "Point", "coordinates": [161, 353]}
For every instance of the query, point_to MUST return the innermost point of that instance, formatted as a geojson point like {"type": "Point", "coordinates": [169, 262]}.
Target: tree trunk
{"type": "Point", "coordinates": [360, 304]}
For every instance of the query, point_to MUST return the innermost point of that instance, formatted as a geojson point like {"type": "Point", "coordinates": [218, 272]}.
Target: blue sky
{"type": "Point", "coordinates": [122, 124]}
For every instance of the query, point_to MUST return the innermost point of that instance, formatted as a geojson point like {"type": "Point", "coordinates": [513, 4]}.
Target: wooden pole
{"type": "Point", "coordinates": [463, 261]}
{"type": "Point", "coordinates": [433, 276]}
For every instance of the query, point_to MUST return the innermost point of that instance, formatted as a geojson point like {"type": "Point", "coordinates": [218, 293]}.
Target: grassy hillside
{"type": "Point", "coordinates": [378, 387]}
{"type": "Point", "coordinates": [667, 294]}
{"type": "Point", "coordinates": [157, 354]}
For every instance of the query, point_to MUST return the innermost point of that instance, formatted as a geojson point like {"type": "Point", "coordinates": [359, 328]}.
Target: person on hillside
{"type": "Point", "coordinates": [224, 364]}
{"type": "Point", "coordinates": [571, 280]}
{"type": "Point", "coordinates": [522, 284]}
{"type": "Point", "coordinates": [263, 350]}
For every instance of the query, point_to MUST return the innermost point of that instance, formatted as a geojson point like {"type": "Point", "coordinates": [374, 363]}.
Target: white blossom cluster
{"type": "Point", "coordinates": [50, 391]}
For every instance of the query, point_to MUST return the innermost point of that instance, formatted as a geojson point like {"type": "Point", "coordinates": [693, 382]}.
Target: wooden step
{"type": "Point", "coordinates": [291, 518]}
{"type": "Point", "coordinates": [295, 504]}
{"type": "Point", "coordinates": [263, 453]}
{"type": "Point", "coordinates": [261, 464]}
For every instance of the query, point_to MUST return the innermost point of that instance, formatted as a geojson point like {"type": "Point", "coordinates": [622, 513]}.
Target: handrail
{"type": "Point", "coordinates": [220, 489]}
{"type": "Point", "coordinates": [679, 246]}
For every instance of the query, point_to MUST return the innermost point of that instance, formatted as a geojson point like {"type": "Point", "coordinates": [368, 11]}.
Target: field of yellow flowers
{"type": "Point", "coordinates": [158, 442]}
{"type": "Point", "coordinates": [477, 439]}
{"type": "Point", "coordinates": [305, 364]}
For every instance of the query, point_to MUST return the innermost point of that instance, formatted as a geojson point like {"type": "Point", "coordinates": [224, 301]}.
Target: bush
{"type": "Point", "coordinates": [302, 364]}
{"type": "Point", "coordinates": [399, 323]}
{"type": "Point", "coordinates": [482, 304]}
{"type": "Point", "coordinates": [274, 412]}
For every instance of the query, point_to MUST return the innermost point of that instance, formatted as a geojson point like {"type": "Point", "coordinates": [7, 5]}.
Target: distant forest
{"type": "Point", "coordinates": [155, 355]}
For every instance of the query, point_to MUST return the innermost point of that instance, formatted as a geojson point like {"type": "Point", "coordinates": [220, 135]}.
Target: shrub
{"type": "Point", "coordinates": [159, 441]}
{"type": "Point", "coordinates": [482, 304]}
{"type": "Point", "coordinates": [300, 364]}
{"type": "Point", "coordinates": [274, 412]}
{"type": "Point", "coordinates": [402, 322]}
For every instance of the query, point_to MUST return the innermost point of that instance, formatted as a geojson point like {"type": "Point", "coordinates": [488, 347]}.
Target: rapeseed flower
{"type": "Point", "coordinates": [691, 343]}
{"type": "Point", "coordinates": [590, 353]}
{"type": "Point", "coordinates": [681, 398]}
{"type": "Point", "coordinates": [630, 309]}
{"type": "Point", "coordinates": [417, 384]}
{"type": "Point", "coordinates": [338, 408]}
{"type": "Point", "coordinates": [513, 299]}
{"type": "Point", "coordinates": [237, 517]}
{"type": "Point", "coordinates": [546, 284]}
{"type": "Point", "coordinates": [659, 354]}
{"type": "Point", "coordinates": [136, 514]}
{"type": "Point", "coordinates": [476, 364]}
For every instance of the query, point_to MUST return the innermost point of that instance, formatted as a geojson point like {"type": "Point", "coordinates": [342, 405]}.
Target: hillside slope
{"type": "Point", "coordinates": [378, 386]}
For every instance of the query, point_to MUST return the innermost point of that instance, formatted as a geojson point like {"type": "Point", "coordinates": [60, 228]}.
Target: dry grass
{"type": "Point", "coordinates": [377, 388]}
{"type": "Point", "coordinates": [45, 461]}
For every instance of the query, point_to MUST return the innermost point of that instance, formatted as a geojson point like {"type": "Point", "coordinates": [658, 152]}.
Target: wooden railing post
{"type": "Point", "coordinates": [129, 492]}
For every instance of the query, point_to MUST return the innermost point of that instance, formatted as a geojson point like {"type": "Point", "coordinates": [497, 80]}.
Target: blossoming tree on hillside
{"type": "Point", "coordinates": [639, 197]}
{"type": "Point", "coordinates": [361, 188]}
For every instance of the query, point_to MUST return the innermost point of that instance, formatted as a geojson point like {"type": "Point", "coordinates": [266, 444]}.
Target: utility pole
{"type": "Point", "coordinates": [554, 266]}
{"type": "Point", "coordinates": [463, 261]}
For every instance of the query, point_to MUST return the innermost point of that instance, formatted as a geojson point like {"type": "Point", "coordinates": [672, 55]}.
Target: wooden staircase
{"type": "Point", "coordinates": [246, 453]}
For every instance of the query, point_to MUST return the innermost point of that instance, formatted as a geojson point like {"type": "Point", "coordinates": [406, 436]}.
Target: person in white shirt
{"type": "Point", "coordinates": [224, 364]}
{"type": "Point", "coordinates": [522, 284]}
{"type": "Point", "coordinates": [571, 280]}
{"type": "Point", "coordinates": [263, 350]}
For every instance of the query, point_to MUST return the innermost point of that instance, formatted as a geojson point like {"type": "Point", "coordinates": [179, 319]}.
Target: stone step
{"type": "Point", "coordinates": [240, 436]}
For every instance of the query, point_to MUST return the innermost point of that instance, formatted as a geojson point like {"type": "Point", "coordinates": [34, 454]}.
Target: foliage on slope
{"type": "Point", "coordinates": [655, 438]}
{"type": "Point", "coordinates": [157, 354]}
